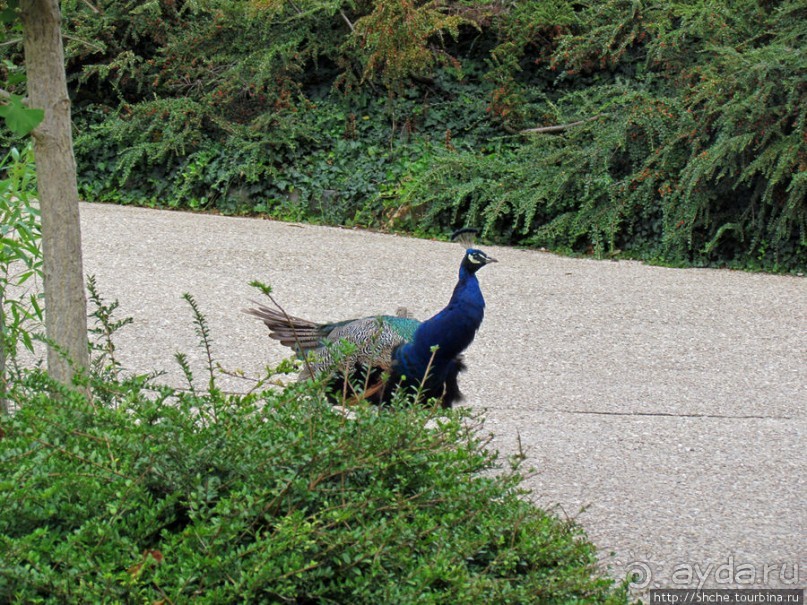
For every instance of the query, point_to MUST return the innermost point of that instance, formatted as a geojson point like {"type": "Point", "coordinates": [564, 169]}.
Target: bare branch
{"type": "Point", "coordinates": [349, 24]}
{"type": "Point", "coordinates": [560, 127]}
{"type": "Point", "coordinates": [85, 42]}
{"type": "Point", "coordinates": [92, 7]}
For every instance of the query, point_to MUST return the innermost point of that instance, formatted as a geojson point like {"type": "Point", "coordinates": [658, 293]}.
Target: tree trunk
{"type": "Point", "coordinates": [65, 300]}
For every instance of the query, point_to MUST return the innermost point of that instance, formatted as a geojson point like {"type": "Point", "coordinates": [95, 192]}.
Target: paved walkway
{"type": "Point", "coordinates": [664, 409]}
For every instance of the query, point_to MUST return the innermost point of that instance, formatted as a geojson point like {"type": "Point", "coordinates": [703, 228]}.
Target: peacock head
{"type": "Point", "coordinates": [476, 259]}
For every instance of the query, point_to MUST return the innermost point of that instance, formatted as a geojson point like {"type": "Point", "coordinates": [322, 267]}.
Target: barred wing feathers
{"type": "Point", "coordinates": [374, 338]}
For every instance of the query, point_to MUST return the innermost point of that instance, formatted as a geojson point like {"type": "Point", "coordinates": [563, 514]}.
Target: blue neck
{"type": "Point", "coordinates": [451, 330]}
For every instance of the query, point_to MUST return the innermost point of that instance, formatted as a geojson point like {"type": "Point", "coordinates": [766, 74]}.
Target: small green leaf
{"type": "Point", "coordinates": [20, 119]}
{"type": "Point", "coordinates": [9, 14]}
{"type": "Point", "coordinates": [15, 78]}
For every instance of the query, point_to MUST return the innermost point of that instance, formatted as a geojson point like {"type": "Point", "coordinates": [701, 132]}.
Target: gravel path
{"type": "Point", "coordinates": [664, 409]}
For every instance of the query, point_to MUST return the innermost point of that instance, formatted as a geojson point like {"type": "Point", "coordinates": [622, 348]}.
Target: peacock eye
{"type": "Point", "coordinates": [474, 258]}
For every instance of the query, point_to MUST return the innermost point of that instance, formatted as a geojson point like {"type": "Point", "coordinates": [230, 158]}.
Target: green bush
{"type": "Point", "coordinates": [688, 147]}
{"type": "Point", "coordinates": [155, 495]}
{"type": "Point", "coordinates": [239, 106]}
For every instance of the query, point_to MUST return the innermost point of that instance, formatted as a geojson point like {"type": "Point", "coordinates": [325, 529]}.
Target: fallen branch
{"type": "Point", "coordinates": [92, 7]}
{"type": "Point", "coordinates": [560, 127]}
{"type": "Point", "coordinates": [349, 24]}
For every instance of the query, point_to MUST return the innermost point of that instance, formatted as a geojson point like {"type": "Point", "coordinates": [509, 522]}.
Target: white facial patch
{"type": "Point", "coordinates": [474, 260]}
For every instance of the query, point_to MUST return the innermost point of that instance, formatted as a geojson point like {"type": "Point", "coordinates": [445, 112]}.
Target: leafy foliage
{"type": "Point", "coordinates": [147, 493]}
{"type": "Point", "coordinates": [20, 262]}
{"type": "Point", "coordinates": [700, 155]}
{"type": "Point", "coordinates": [395, 36]}
{"type": "Point", "coordinates": [19, 118]}
{"type": "Point", "coordinates": [688, 145]}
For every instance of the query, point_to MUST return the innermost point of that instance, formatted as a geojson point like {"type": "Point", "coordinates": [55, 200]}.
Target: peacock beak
{"type": "Point", "coordinates": [490, 259]}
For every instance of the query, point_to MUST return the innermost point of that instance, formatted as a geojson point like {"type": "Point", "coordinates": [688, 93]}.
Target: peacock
{"type": "Point", "coordinates": [390, 352]}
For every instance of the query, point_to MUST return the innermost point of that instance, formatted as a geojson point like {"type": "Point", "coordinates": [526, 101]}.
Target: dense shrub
{"type": "Point", "coordinates": [236, 106]}
{"type": "Point", "coordinates": [688, 148]}
{"type": "Point", "coordinates": [688, 145]}
{"type": "Point", "coordinates": [154, 495]}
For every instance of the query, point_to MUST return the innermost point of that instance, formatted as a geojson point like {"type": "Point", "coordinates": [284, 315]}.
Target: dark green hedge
{"type": "Point", "coordinates": [689, 146]}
